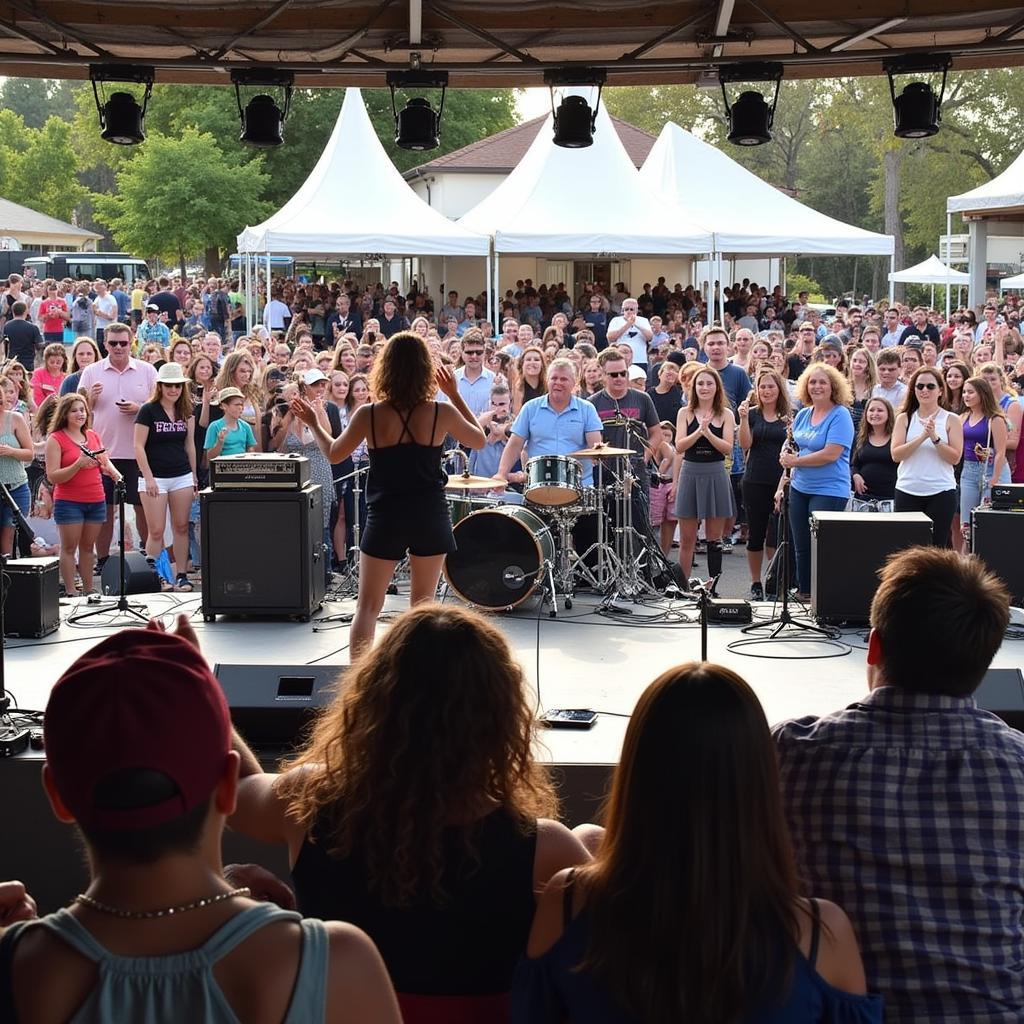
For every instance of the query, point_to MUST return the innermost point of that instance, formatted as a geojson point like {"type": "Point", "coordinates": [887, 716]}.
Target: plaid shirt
{"type": "Point", "coordinates": [907, 810]}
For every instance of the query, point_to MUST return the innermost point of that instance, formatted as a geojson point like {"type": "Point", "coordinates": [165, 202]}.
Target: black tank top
{"type": "Point", "coordinates": [702, 450]}
{"type": "Point", "coordinates": [471, 945]}
{"type": "Point", "coordinates": [406, 468]}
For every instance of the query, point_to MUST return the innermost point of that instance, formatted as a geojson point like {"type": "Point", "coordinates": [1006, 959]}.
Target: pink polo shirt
{"type": "Point", "coordinates": [135, 383]}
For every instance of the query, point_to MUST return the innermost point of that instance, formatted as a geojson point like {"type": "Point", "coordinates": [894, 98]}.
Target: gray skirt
{"type": "Point", "coordinates": [704, 491]}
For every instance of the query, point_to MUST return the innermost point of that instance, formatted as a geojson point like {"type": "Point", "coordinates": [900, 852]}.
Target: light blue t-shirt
{"type": "Point", "coordinates": [237, 442]}
{"type": "Point", "coordinates": [832, 479]}
{"type": "Point", "coordinates": [548, 432]}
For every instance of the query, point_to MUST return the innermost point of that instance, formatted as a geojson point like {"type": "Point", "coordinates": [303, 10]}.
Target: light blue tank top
{"type": "Point", "coordinates": [181, 987]}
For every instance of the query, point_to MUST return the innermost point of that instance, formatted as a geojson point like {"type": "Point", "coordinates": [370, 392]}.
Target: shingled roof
{"type": "Point", "coordinates": [499, 154]}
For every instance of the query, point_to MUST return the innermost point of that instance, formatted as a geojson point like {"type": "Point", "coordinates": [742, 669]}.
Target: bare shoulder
{"type": "Point", "coordinates": [358, 986]}
{"type": "Point", "coordinates": [548, 918]}
{"type": "Point", "coordinates": [838, 960]}
{"type": "Point", "coordinates": [557, 848]}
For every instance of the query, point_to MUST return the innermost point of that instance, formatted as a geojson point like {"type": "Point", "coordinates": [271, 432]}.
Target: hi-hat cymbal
{"type": "Point", "coordinates": [604, 452]}
{"type": "Point", "coordinates": [466, 482]}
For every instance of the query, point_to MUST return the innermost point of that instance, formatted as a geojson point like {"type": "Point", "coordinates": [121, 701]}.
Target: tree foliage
{"type": "Point", "coordinates": [35, 100]}
{"type": "Point", "coordinates": [177, 196]}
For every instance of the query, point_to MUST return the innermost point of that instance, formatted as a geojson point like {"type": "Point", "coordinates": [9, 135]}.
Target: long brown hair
{"type": "Point", "coordinates": [717, 403]}
{"type": "Point", "coordinates": [955, 399]}
{"type": "Point", "coordinates": [520, 384]}
{"type": "Point", "coordinates": [782, 406]}
{"type": "Point", "coordinates": [910, 403]}
{"type": "Point", "coordinates": [692, 927]}
{"type": "Point", "coordinates": [864, 430]}
{"type": "Point", "coordinates": [987, 406]}
{"type": "Point", "coordinates": [58, 417]}
{"type": "Point", "coordinates": [183, 404]}
{"type": "Point", "coordinates": [403, 373]}
{"type": "Point", "coordinates": [431, 729]}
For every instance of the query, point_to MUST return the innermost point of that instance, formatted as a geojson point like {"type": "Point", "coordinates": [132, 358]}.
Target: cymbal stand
{"type": "Point", "coordinates": [608, 567]}
{"type": "Point", "coordinates": [629, 585]}
{"type": "Point", "coordinates": [349, 585]}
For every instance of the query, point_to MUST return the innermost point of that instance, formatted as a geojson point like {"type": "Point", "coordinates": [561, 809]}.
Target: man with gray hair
{"type": "Point", "coordinates": [633, 330]}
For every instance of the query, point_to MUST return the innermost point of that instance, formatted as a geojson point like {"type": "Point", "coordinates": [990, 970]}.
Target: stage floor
{"type": "Point", "coordinates": [580, 659]}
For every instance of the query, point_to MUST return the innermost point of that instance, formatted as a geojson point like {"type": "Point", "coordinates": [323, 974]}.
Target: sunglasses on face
{"type": "Point", "coordinates": [922, 386]}
{"type": "Point", "coordinates": [617, 373]}
{"type": "Point", "coordinates": [111, 343]}
{"type": "Point", "coordinates": [473, 352]}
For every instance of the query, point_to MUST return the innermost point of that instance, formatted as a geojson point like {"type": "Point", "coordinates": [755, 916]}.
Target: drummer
{"type": "Point", "coordinates": [557, 423]}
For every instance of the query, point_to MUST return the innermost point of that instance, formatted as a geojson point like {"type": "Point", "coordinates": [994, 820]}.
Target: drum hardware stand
{"type": "Point", "coordinates": [785, 621]}
{"type": "Point", "coordinates": [629, 584]}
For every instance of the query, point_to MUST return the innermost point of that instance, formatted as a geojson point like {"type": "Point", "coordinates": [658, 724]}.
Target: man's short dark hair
{"type": "Point", "coordinates": [940, 617]}
{"type": "Point", "coordinates": [116, 328]}
{"type": "Point", "coordinates": [18, 309]}
{"type": "Point", "coordinates": [610, 355]}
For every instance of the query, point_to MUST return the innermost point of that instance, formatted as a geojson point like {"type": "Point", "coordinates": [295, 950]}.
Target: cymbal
{"type": "Point", "coordinates": [604, 452]}
{"type": "Point", "coordinates": [466, 482]}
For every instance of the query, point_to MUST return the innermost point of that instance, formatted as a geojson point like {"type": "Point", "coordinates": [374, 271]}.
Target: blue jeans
{"type": "Point", "coordinates": [801, 506]}
{"type": "Point", "coordinates": [971, 494]}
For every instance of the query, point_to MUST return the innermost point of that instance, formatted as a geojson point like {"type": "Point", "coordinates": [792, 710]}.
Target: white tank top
{"type": "Point", "coordinates": [926, 472]}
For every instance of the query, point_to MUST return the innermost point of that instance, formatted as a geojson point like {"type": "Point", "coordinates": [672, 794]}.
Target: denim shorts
{"type": "Point", "coordinates": [71, 512]}
{"type": "Point", "coordinates": [21, 496]}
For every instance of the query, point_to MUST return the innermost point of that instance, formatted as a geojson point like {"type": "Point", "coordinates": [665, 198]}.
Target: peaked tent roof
{"type": "Point", "coordinates": [746, 214]}
{"type": "Point", "coordinates": [1004, 192]}
{"type": "Point", "coordinates": [931, 271]}
{"type": "Point", "coordinates": [358, 205]}
{"type": "Point", "coordinates": [1017, 281]}
{"type": "Point", "coordinates": [570, 201]}
{"type": "Point", "coordinates": [499, 154]}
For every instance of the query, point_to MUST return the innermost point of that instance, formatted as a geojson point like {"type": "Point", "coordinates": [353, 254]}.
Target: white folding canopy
{"type": "Point", "coordinates": [931, 271]}
{"type": "Point", "coordinates": [355, 201]}
{"type": "Point", "coordinates": [1005, 191]}
{"type": "Point", "coordinates": [746, 214]}
{"type": "Point", "coordinates": [573, 201]}
{"type": "Point", "coordinates": [1016, 281]}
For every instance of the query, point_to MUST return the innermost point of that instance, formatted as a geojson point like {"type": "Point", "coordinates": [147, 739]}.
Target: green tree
{"type": "Point", "coordinates": [42, 175]}
{"type": "Point", "coordinates": [38, 99]}
{"type": "Point", "coordinates": [177, 197]}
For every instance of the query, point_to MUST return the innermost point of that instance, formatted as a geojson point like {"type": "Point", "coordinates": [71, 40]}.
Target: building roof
{"type": "Point", "coordinates": [499, 154]}
{"type": "Point", "coordinates": [15, 218]}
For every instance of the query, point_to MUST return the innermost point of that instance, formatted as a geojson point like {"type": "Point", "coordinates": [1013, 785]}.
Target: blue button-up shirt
{"type": "Point", "coordinates": [548, 432]}
{"type": "Point", "coordinates": [907, 809]}
{"type": "Point", "coordinates": [476, 393]}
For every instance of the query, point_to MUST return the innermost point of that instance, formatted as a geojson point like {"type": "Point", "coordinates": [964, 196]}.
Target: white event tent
{"type": "Point", "coordinates": [355, 202]}
{"type": "Point", "coordinates": [565, 202]}
{"type": "Point", "coordinates": [747, 215]}
{"type": "Point", "coordinates": [932, 271]}
{"type": "Point", "coordinates": [1015, 282]}
{"type": "Point", "coordinates": [1001, 199]}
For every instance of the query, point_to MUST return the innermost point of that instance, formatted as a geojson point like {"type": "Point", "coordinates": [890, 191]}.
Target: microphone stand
{"type": "Point", "coordinates": [133, 613]}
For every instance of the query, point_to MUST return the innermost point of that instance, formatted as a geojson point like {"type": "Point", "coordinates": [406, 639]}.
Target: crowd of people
{"type": "Point", "coordinates": [833, 869]}
{"type": "Point", "coordinates": [882, 408]}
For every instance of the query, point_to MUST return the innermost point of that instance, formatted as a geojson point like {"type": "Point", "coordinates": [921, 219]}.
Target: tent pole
{"type": "Point", "coordinates": [490, 293]}
{"type": "Point", "coordinates": [497, 292]}
{"type": "Point", "coordinates": [267, 303]}
{"type": "Point", "coordinates": [931, 301]}
{"type": "Point", "coordinates": [892, 270]}
{"type": "Point", "coordinates": [949, 253]}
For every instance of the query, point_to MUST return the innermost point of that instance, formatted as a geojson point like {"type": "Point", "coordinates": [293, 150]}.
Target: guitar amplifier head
{"type": "Point", "coordinates": [1008, 497]}
{"type": "Point", "coordinates": [259, 471]}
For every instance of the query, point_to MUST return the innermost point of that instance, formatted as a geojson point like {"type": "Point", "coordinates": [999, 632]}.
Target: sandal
{"type": "Point", "coordinates": [183, 585]}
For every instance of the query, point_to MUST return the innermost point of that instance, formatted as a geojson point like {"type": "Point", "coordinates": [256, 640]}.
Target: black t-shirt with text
{"type": "Point", "coordinates": [165, 445]}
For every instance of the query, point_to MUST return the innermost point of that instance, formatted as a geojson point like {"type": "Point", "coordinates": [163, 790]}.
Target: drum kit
{"type": "Point", "coordinates": [508, 552]}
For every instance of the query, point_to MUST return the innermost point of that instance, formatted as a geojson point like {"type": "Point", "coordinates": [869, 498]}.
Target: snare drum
{"type": "Point", "coordinates": [460, 505]}
{"type": "Point", "coordinates": [500, 558]}
{"type": "Point", "coordinates": [554, 480]}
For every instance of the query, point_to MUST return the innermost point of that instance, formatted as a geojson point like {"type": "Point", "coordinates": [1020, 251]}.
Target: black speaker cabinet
{"type": "Point", "coordinates": [263, 552]}
{"type": "Point", "coordinates": [996, 538]}
{"type": "Point", "coordinates": [31, 602]}
{"type": "Point", "coordinates": [1002, 693]}
{"type": "Point", "coordinates": [848, 549]}
{"type": "Point", "coordinates": [139, 578]}
{"type": "Point", "coordinates": [271, 705]}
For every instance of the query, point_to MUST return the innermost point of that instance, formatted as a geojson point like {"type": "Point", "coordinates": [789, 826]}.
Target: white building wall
{"type": "Point", "coordinates": [454, 194]}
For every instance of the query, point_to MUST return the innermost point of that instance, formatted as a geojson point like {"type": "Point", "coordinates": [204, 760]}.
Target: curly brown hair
{"type": "Point", "coordinates": [432, 729]}
{"type": "Point", "coordinates": [403, 373]}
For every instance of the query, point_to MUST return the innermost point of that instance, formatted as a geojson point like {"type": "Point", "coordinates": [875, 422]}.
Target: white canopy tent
{"type": "Point", "coordinates": [1001, 198]}
{"type": "Point", "coordinates": [1017, 281]}
{"type": "Point", "coordinates": [932, 271]}
{"type": "Point", "coordinates": [571, 201]}
{"type": "Point", "coordinates": [355, 202]}
{"type": "Point", "coordinates": [748, 216]}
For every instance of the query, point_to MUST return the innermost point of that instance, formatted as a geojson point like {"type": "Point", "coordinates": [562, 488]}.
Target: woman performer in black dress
{"type": "Point", "coordinates": [406, 507]}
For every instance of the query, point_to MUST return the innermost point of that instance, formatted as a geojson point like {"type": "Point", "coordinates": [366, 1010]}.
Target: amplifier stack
{"type": "Point", "coordinates": [259, 471]}
{"type": "Point", "coordinates": [996, 538]}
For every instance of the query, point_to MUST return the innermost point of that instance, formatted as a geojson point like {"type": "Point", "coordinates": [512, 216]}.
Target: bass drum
{"type": "Point", "coordinates": [501, 556]}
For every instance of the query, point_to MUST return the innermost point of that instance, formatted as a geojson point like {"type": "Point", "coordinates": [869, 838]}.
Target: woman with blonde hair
{"type": "Point", "coordinates": [820, 468]}
{"type": "Point", "coordinates": [863, 376]}
{"type": "Point", "coordinates": [239, 371]}
{"type": "Point", "coordinates": [418, 812]}
{"type": "Point", "coordinates": [406, 508]}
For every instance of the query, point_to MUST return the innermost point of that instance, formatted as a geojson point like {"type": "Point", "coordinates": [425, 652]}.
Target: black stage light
{"type": "Point", "coordinates": [262, 119]}
{"type": "Point", "coordinates": [751, 115]}
{"type": "Point", "coordinates": [917, 111]}
{"type": "Point", "coordinates": [122, 117]}
{"type": "Point", "coordinates": [575, 122]}
{"type": "Point", "coordinates": [418, 125]}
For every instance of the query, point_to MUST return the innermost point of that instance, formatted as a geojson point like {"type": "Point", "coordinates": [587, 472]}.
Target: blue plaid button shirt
{"type": "Point", "coordinates": [907, 810]}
